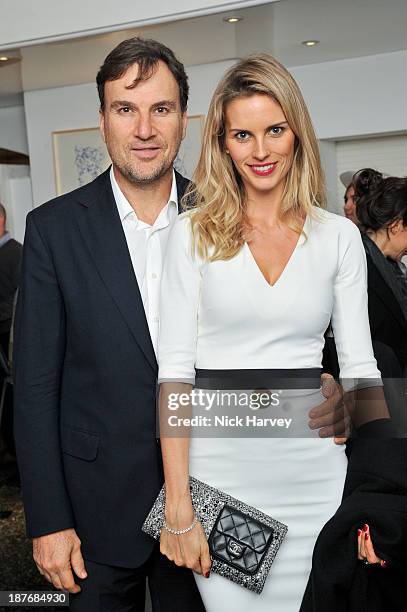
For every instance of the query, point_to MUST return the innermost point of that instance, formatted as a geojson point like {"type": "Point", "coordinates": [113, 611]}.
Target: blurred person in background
{"type": "Point", "coordinates": [381, 209]}
{"type": "Point", "coordinates": [381, 204]}
{"type": "Point", "coordinates": [10, 263]}
{"type": "Point", "coordinates": [349, 206]}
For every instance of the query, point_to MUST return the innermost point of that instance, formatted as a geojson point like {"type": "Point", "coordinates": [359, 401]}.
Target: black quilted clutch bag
{"type": "Point", "coordinates": [243, 541]}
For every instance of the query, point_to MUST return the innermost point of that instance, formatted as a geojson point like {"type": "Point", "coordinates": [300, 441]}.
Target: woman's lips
{"type": "Point", "coordinates": [263, 169]}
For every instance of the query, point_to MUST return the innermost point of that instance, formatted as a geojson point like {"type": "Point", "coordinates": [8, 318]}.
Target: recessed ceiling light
{"type": "Point", "coordinates": [233, 19]}
{"type": "Point", "coordinates": [310, 43]}
{"type": "Point", "coordinates": [7, 60]}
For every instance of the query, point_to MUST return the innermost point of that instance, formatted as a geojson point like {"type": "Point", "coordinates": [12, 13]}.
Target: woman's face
{"type": "Point", "coordinates": [397, 234]}
{"type": "Point", "coordinates": [260, 143]}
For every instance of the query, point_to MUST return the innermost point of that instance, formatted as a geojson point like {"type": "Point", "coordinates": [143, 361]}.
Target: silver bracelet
{"type": "Point", "coordinates": [180, 531]}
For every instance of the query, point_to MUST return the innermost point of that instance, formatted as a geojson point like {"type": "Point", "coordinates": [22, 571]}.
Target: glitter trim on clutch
{"type": "Point", "coordinates": [243, 541]}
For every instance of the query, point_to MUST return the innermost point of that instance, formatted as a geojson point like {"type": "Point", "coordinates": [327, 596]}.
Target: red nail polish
{"type": "Point", "coordinates": [207, 574]}
{"type": "Point", "coordinates": [366, 536]}
{"type": "Point", "coordinates": [359, 532]}
{"type": "Point", "coordinates": [365, 527]}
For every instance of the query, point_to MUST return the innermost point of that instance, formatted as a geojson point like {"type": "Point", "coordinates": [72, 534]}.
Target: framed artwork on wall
{"type": "Point", "coordinates": [79, 157]}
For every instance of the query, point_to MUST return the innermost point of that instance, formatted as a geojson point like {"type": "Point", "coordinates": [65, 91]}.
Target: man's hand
{"type": "Point", "coordinates": [57, 556]}
{"type": "Point", "coordinates": [329, 417]}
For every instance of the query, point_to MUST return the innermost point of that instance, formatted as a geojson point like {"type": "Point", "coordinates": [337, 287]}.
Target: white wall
{"type": "Point", "coordinates": [356, 97]}
{"type": "Point", "coordinates": [75, 107]}
{"type": "Point", "coordinates": [28, 22]}
{"type": "Point", "coordinates": [13, 134]}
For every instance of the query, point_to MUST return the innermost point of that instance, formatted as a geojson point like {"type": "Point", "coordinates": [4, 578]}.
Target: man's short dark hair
{"type": "Point", "coordinates": [146, 53]}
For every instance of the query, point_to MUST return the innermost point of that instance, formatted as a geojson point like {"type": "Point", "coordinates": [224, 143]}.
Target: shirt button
{"type": "Point", "coordinates": [154, 275]}
{"type": "Point", "coordinates": [156, 319]}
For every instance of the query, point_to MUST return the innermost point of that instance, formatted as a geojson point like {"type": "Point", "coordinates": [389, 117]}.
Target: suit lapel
{"type": "Point", "coordinates": [102, 231]}
{"type": "Point", "coordinates": [182, 184]}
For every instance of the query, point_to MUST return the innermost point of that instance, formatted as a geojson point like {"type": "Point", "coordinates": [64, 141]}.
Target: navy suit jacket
{"type": "Point", "coordinates": [85, 379]}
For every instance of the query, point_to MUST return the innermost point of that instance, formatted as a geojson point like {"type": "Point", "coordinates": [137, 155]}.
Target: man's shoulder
{"type": "Point", "coordinates": [15, 245]}
{"type": "Point", "coordinates": [61, 206]}
{"type": "Point", "coordinates": [12, 246]}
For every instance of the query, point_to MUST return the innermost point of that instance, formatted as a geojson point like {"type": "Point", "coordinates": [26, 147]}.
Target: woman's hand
{"type": "Point", "coordinates": [366, 551]}
{"type": "Point", "coordinates": [188, 549]}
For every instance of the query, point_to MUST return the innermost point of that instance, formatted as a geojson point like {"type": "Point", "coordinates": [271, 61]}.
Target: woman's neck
{"type": "Point", "coordinates": [381, 240]}
{"type": "Point", "coordinates": [264, 209]}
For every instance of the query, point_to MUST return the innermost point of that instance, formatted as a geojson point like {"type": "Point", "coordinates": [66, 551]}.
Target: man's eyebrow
{"type": "Point", "coordinates": [120, 103]}
{"type": "Point", "coordinates": [171, 103]}
{"type": "Point", "coordinates": [268, 128]}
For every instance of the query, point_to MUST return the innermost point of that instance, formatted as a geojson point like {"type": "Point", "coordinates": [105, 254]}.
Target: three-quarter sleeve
{"type": "Point", "coordinates": [179, 303]}
{"type": "Point", "coordinates": [350, 319]}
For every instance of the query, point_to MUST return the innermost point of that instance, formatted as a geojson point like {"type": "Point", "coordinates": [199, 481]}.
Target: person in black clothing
{"type": "Point", "coordinates": [84, 360]}
{"type": "Point", "coordinates": [10, 262]}
{"type": "Point", "coordinates": [376, 482]}
{"type": "Point", "coordinates": [382, 211]}
{"type": "Point", "coordinates": [381, 206]}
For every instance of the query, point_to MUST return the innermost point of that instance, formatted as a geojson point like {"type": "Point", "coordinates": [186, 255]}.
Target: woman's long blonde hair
{"type": "Point", "coordinates": [217, 192]}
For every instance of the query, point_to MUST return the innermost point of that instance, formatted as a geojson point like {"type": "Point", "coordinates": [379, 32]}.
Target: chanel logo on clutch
{"type": "Point", "coordinates": [235, 549]}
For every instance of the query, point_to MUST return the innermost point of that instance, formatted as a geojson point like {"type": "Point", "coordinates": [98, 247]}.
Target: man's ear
{"type": "Point", "coordinates": [102, 124]}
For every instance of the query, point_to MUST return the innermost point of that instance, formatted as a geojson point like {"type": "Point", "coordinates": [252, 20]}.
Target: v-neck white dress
{"type": "Point", "coordinates": [224, 315]}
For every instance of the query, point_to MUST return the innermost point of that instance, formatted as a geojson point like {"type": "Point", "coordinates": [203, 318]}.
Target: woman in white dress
{"type": "Point", "coordinates": [253, 275]}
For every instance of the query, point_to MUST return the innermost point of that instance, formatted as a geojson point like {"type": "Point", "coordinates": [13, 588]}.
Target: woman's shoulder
{"type": "Point", "coordinates": [181, 235]}
{"type": "Point", "coordinates": [182, 224]}
{"type": "Point", "coordinates": [322, 215]}
{"type": "Point", "coordinates": [336, 224]}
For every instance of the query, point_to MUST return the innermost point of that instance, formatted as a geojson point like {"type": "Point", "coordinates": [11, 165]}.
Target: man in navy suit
{"type": "Point", "coordinates": [85, 362]}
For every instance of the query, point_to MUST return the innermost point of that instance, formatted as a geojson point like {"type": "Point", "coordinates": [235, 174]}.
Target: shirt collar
{"type": "Point", "coordinates": [125, 208]}
{"type": "Point", "coordinates": [5, 238]}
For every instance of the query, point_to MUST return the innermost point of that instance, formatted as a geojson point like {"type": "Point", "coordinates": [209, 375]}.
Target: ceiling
{"type": "Point", "coordinates": [345, 29]}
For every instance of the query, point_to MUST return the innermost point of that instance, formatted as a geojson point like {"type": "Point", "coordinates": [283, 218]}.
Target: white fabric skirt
{"type": "Point", "coordinates": [298, 481]}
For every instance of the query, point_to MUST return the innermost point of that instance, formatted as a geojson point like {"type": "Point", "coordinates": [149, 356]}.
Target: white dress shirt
{"type": "Point", "coordinates": [147, 245]}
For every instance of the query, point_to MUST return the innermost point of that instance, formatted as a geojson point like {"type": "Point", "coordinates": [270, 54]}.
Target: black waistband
{"type": "Point", "coordinates": [302, 378]}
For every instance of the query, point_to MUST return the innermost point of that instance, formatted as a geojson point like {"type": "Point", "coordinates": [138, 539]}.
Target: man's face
{"type": "Point", "coordinates": [2, 225]}
{"type": "Point", "coordinates": [143, 126]}
{"type": "Point", "coordinates": [349, 206]}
